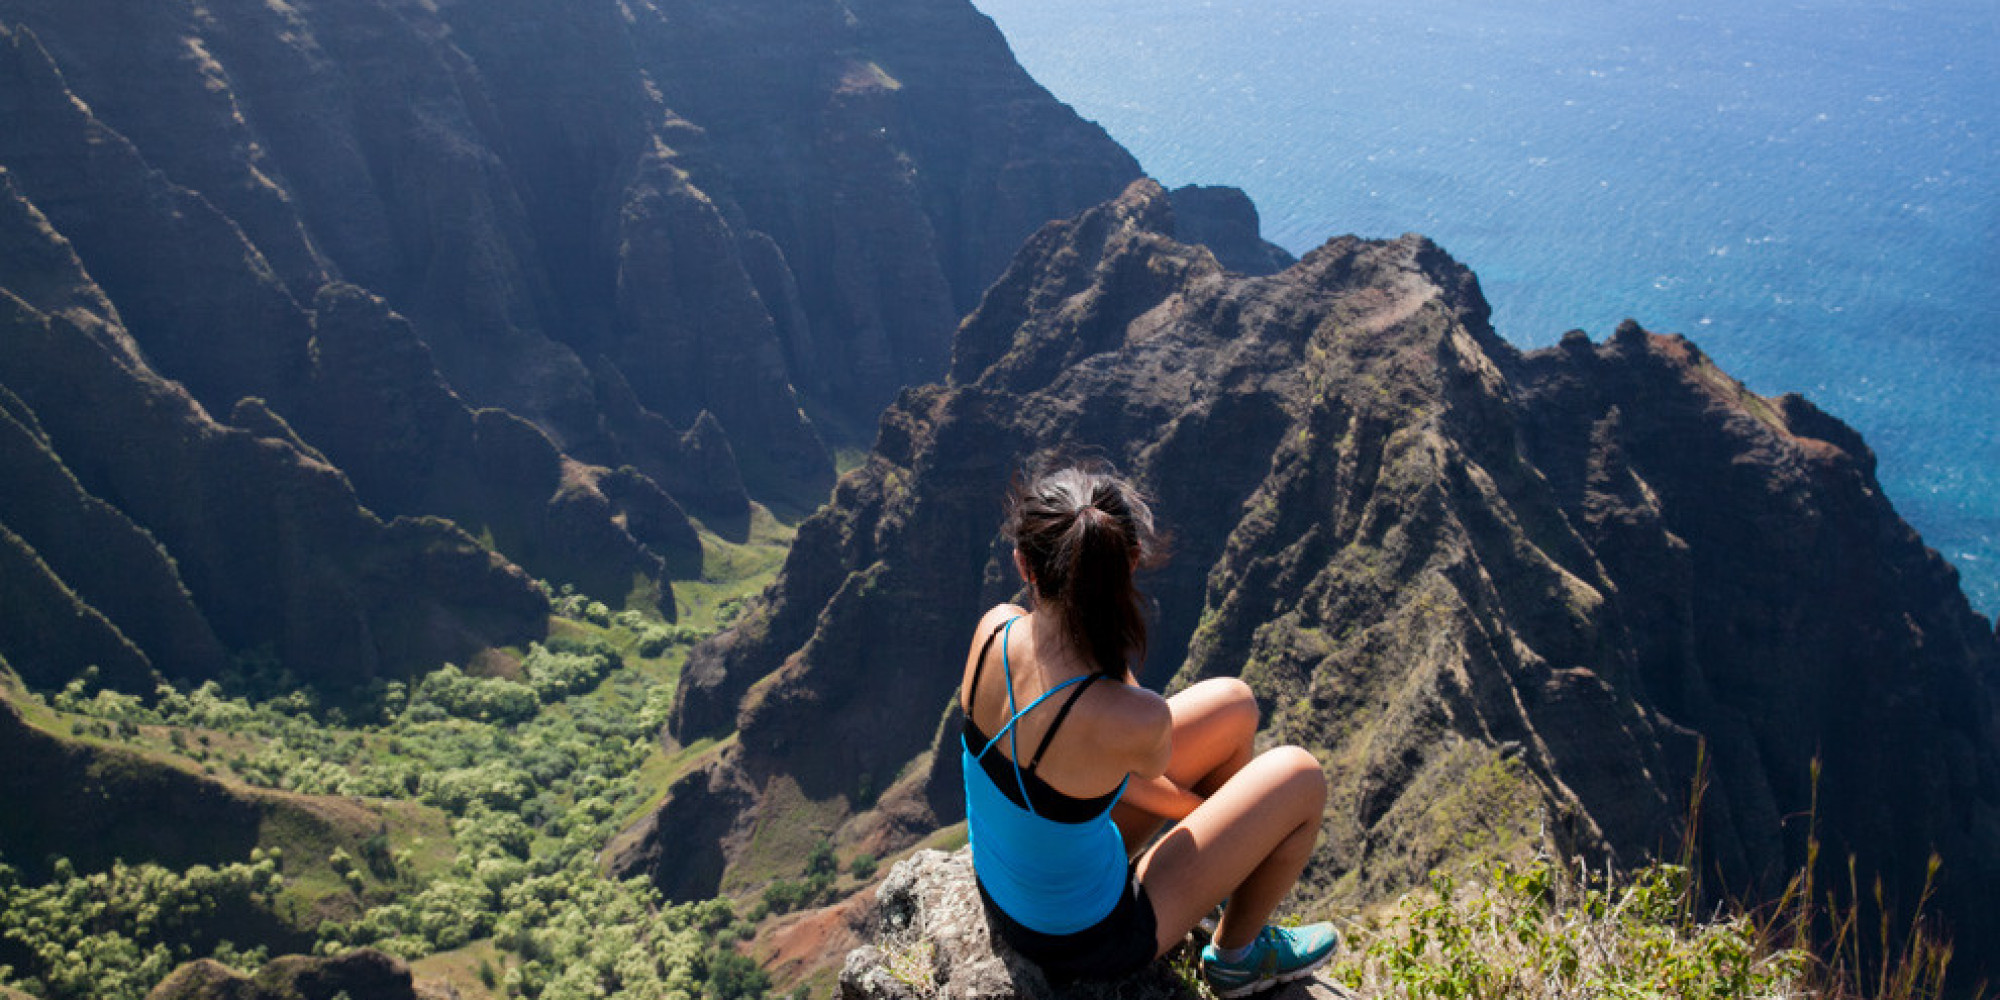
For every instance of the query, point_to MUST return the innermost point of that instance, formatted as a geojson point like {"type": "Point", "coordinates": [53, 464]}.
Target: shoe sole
{"type": "Point", "coordinates": [1276, 981]}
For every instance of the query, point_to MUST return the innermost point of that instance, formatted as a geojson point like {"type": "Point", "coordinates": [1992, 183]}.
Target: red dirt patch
{"type": "Point", "coordinates": [794, 947]}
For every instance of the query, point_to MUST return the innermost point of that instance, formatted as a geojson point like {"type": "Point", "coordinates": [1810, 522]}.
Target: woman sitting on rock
{"type": "Point", "coordinates": [1053, 833]}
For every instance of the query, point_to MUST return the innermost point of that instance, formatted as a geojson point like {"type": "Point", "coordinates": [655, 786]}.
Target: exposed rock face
{"type": "Point", "coordinates": [546, 270]}
{"type": "Point", "coordinates": [142, 535]}
{"type": "Point", "coordinates": [1224, 220]}
{"type": "Point", "coordinates": [363, 972]}
{"type": "Point", "coordinates": [681, 845]}
{"type": "Point", "coordinates": [932, 940]}
{"type": "Point", "coordinates": [1502, 596]}
{"type": "Point", "coordinates": [1778, 606]}
{"type": "Point", "coordinates": [741, 211]}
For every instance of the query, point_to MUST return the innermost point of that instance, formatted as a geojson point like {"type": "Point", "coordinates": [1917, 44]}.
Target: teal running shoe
{"type": "Point", "coordinates": [1279, 955]}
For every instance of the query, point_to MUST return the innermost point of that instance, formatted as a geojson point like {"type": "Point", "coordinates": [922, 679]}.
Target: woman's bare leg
{"type": "Point", "coordinates": [1214, 723]}
{"type": "Point", "coordinates": [1248, 842]}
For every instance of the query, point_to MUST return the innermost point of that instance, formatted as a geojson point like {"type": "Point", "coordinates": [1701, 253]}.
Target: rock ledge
{"type": "Point", "coordinates": [932, 942]}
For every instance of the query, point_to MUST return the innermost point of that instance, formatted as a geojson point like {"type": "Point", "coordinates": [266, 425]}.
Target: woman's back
{"type": "Point", "coordinates": [1052, 860]}
{"type": "Point", "coordinates": [1080, 742]}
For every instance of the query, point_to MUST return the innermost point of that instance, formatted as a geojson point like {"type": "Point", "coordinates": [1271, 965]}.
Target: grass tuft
{"type": "Point", "coordinates": [1553, 930]}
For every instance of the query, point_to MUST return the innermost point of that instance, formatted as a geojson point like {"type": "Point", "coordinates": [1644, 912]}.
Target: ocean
{"type": "Point", "coordinates": [1809, 189]}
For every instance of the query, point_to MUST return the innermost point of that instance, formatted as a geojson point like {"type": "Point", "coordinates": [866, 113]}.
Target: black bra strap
{"type": "Point", "coordinates": [979, 666]}
{"type": "Point", "coordinates": [1061, 714]}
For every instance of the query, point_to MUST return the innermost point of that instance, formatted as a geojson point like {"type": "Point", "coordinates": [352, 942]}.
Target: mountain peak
{"type": "Point", "coordinates": [1487, 585]}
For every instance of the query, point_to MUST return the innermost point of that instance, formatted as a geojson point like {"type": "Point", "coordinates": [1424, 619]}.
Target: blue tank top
{"type": "Point", "coordinates": [1051, 876]}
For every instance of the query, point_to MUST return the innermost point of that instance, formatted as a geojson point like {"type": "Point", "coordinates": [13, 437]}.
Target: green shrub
{"type": "Point", "coordinates": [375, 852]}
{"type": "Point", "coordinates": [820, 860]}
{"type": "Point", "coordinates": [558, 674]}
{"type": "Point", "coordinates": [484, 699]}
{"type": "Point", "coordinates": [735, 977]}
{"type": "Point", "coordinates": [785, 895]}
{"type": "Point", "coordinates": [114, 934]}
{"type": "Point", "coordinates": [728, 611]}
{"type": "Point", "coordinates": [657, 639]}
{"type": "Point", "coordinates": [533, 797]}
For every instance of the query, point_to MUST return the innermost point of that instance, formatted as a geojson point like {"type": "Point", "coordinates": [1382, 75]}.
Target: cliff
{"type": "Point", "coordinates": [566, 276]}
{"type": "Point", "coordinates": [593, 215]}
{"type": "Point", "coordinates": [1502, 596]}
{"type": "Point", "coordinates": [144, 536]}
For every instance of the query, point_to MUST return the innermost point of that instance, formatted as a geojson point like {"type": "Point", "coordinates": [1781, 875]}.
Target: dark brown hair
{"type": "Point", "coordinates": [1083, 530]}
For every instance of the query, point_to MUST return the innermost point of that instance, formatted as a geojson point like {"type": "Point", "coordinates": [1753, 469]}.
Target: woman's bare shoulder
{"type": "Point", "coordinates": [1131, 718]}
{"type": "Point", "coordinates": [997, 616]}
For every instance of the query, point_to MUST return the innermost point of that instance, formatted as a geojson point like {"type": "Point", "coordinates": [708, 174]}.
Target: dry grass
{"type": "Point", "coordinates": [1551, 930]}
{"type": "Point", "coordinates": [1852, 957]}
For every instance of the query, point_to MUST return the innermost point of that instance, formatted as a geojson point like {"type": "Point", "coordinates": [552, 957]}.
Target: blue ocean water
{"type": "Point", "coordinates": [1810, 189]}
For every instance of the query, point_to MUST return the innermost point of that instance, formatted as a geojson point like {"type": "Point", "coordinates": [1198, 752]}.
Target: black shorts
{"type": "Point", "coordinates": [1117, 946]}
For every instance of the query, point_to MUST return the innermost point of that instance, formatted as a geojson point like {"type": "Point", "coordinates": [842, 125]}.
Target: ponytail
{"type": "Point", "coordinates": [1082, 531]}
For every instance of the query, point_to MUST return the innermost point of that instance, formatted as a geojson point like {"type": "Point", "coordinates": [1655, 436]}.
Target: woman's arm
{"type": "Point", "coordinates": [1161, 797]}
{"type": "Point", "coordinates": [1150, 727]}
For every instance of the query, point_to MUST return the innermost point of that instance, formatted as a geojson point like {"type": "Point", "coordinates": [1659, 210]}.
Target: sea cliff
{"type": "Point", "coordinates": [1505, 597]}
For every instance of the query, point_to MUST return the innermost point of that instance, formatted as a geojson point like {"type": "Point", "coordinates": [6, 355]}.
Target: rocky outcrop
{"type": "Point", "coordinates": [1779, 607]}
{"type": "Point", "coordinates": [1505, 598]}
{"type": "Point", "coordinates": [683, 845]}
{"type": "Point", "coordinates": [930, 940]}
{"type": "Point", "coordinates": [363, 972]}
{"type": "Point", "coordinates": [1224, 220]}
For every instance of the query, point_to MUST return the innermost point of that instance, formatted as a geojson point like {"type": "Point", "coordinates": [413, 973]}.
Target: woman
{"type": "Point", "coordinates": [1109, 763]}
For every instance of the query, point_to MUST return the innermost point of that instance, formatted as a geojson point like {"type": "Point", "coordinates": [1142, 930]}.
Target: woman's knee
{"type": "Point", "coordinates": [1230, 699]}
{"type": "Point", "coordinates": [1299, 776]}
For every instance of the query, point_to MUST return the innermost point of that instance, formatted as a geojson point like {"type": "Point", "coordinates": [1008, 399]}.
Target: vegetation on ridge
{"type": "Point", "coordinates": [1550, 929]}
{"type": "Point", "coordinates": [477, 805]}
